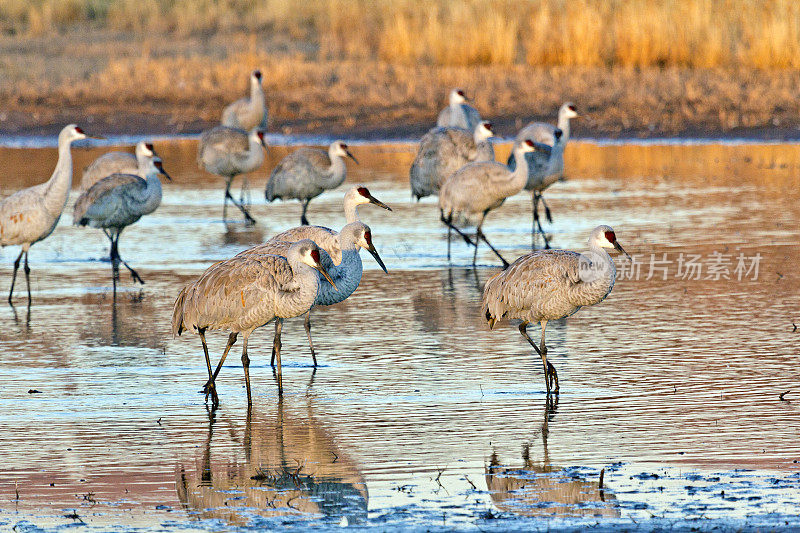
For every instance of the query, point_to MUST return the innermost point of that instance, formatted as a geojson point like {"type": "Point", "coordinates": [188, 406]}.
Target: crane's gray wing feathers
{"type": "Point", "coordinates": [109, 190]}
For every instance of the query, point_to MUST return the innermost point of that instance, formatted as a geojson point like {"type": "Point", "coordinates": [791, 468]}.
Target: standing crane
{"type": "Point", "coordinates": [119, 163]}
{"type": "Point", "coordinates": [308, 172]}
{"type": "Point", "coordinates": [478, 188]}
{"type": "Point", "coordinates": [246, 292]}
{"type": "Point", "coordinates": [116, 202]}
{"type": "Point", "coordinates": [248, 113]}
{"type": "Point", "coordinates": [552, 284]}
{"type": "Point", "coordinates": [228, 152]}
{"type": "Point", "coordinates": [30, 215]}
{"type": "Point", "coordinates": [543, 171]}
{"type": "Point", "coordinates": [544, 133]}
{"type": "Point", "coordinates": [442, 151]}
{"type": "Point", "coordinates": [459, 114]}
{"type": "Point", "coordinates": [341, 260]}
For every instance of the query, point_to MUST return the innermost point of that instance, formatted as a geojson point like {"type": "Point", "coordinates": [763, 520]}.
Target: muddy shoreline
{"type": "Point", "coordinates": [48, 118]}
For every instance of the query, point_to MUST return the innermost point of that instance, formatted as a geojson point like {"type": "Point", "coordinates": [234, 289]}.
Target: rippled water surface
{"type": "Point", "coordinates": [419, 417]}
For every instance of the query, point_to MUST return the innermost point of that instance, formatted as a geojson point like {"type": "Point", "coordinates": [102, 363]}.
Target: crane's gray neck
{"type": "Point", "coordinates": [599, 282]}
{"type": "Point", "coordinates": [152, 194]}
{"type": "Point", "coordinates": [563, 125]}
{"type": "Point", "coordinates": [255, 155]}
{"type": "Point", "coordinates": [60, 182]}
{"type": "Point", "coordinates": [143, 162]}
{"type": "Point", "coordinates": [256, 93]}
{"type": "Point", "coordinates": [351, 211]}
{"type": "Point", "coordinates": [519, 176]}
{"type": "Point", "coordinates": [336, 172]}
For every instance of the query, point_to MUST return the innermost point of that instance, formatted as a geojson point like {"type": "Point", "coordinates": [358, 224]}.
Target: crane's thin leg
{"type": "Point", "coordinates": [115, 252]}
{"type": "Point", "coordinates": [242, 208]}
{"type": "Point", "coordinates": [547, 214]}
{"type": "Point", "coordinates": [550, 374]}
{"type": "Point", "coordinates": [227, 195]}
{"type": "Point", "coordinates": [246, 367]}
{"type": "Point", "coordinates": [14, 277]}
{"type": "Point", "coordinates": [27, 277]}
{"type": "Point", "coordinates": [449, 222]}
{"type": "Point", "coordinates": [211, 382]}
{"type": "Point", "coordinates": [244, 192]}
{"type": "Point", "coordinates": [550, 368]}
{"type": "Point", "coordinates": [310, 342]}
{"type": "Point", "coordinates": [479, 235]}
{"type": "Point", "coordinates": [209, 388]}
{"type": "Point", "coordinates": [536, 219]}
{"type": "Point", "coordinates": [276, 349]}
{"type": "Point", "coordinates": [272, 359]}
{"type": "Point", "coordinates": [303, 219]}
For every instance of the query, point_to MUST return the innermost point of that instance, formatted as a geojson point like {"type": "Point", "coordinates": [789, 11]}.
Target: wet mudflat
{"type": "Point", "coordinates": [419, 417]}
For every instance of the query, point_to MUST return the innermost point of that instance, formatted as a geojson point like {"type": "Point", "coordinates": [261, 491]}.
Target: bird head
{"type": "Point", "coordinates": [605, 237]}
{"type": "Point", "coordinates": [310, 255]}
{"type": "Point", "coordinates": [159, 166]}
{"type": "Point", "coordinates": [457, 96]}
{"type": "Point", "coordinates": [340, 149]}
{"type": "Point", "coordinates": [569, 110]}
{"type": "Point", "coordinates": [484, 130]}
{"type": "Point", "coordinates": [361, 195]}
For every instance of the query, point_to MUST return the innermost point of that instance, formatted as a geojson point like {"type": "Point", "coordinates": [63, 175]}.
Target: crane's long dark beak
{"type": "Point", "coordinates": [326, 275]}
{"type": "Point", "coordinates": [160, 168]}
{"type": "Point", "coordinates": [618, 247]}
{"type": "Point", "coordinates": [377, 202]}
{"type": "Point", "coordinates": [95, 136]}
{"type": "Point", "coordinates": [351, 156]}
{"type": "Point", "coordinates": [371, 249]}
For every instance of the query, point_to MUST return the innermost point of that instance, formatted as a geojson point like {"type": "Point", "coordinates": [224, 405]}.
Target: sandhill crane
{"type": "Point", "coordinates": [119, 163]}
{"type": "Point", "coordinates": [341, 260]}
{"type": "Point", "coordinates": [459, 114]}
{"type": "Point", "coordinates": [542, 132]}
{"type": "Point", "coordinates": [248, 113]}
{"type": "Point", "coordinates": [477, 188]}
{"type": "Point", "coordinates": [442, 151]}
{"type": "Point", "coordinates": [246, 292]}
{"type": "Point", "coordinates": [545, 167]}
{"type": "Point", "coordinates": [308, 172]}
{"type": "Point", "coordinates": [549, 285]}
{"type": "Point", "coordinates": [229, 152]}
{"type": "Point", "coordinates": [30, 215]}
{"type": "Point", "coordinates": [116, 202]}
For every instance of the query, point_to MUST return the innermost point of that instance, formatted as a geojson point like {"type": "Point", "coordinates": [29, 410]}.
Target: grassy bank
{"type": "Point", "coordinates": [634, 68]}
{"type": "Point", "coordinates": [687, 33]}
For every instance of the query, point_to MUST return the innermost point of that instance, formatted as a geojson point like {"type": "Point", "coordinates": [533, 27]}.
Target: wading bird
{"type": "Point", "coordinates": [119, 163]}
{"type": "Point", "coordinates": [549, 285]}
{"type": "Point", "coordinates": [248, 113]}
{"type": "Point", "coordinates": [542, 132]}
{"type": "Point", "coordinates": [116, 202]}
{"type": "Point", "coordinates": [477, 188]}
{"type": "Point", "coordinates": [246, 292]}
{"type": "Point", "coordinates": [308, 172]}
{"type": "Point", "coordinates": [228, 152]}
{"type": "Point", "coordinates": [543, 171]}
{"type": "Point", "coordinates": [345, 270]}
{"type": "Point", "coordinates": [442, 151]}
{"type": "Point", "coordinates": [30, 215]}
{"type": "Point", "coordinates": [459, 114]}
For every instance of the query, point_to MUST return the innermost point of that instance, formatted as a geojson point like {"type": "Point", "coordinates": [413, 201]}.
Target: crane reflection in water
{"type": "Point", "coordinates": [283, 464]}
{"type": "Point", "coordinates": [538, 489]}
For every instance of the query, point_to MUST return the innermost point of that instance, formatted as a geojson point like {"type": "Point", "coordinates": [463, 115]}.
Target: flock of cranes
{"type": "Point", "coordinates": [309, 266]}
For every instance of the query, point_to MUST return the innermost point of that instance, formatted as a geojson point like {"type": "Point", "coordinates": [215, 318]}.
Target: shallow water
{"type": "Point", "coordinates": [419, 417]}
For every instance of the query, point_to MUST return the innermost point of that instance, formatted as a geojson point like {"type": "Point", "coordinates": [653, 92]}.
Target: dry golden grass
{"type": "Point", "coordinates": [636, 33]}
